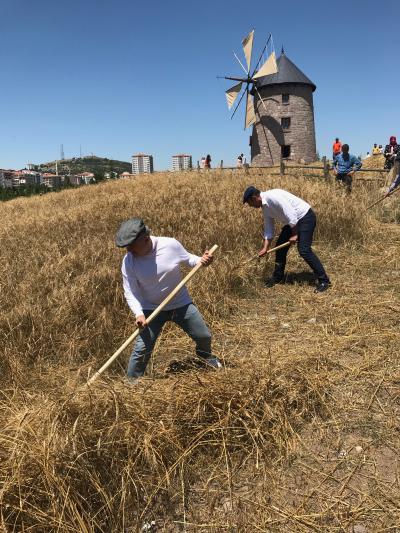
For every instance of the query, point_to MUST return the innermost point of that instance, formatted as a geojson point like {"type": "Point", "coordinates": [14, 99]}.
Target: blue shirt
{"type": "Point", "coordinates": [344, 166]}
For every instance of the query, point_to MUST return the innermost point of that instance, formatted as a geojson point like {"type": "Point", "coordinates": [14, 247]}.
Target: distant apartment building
{"type": "Point", "coordinates": [19, 178]}
{"type": "Point", "coordinates": [7, 179]}
{"type": "Point", "coordinates": [142, 163]}
{"type": "Point", "coordinates": [53, 181]}
{"type": "Point", "coordinates": [75, 180]}
{"type": "Point", "coordinates": [29, 177]}
{"type": "Point", "coordinates": [86, 177]}
{"type": "Point", "coordinates": [181, 162]}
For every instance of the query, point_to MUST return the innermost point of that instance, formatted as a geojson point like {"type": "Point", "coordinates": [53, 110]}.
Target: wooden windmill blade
{"type": "Point", "coordinates": [269, 67]}
{"type": "Point", "coordinates": [232, 93]}
{"type": "Point", "coordinates": [247, 44]}
{"type": "Point", "coordinates": [250, 116]}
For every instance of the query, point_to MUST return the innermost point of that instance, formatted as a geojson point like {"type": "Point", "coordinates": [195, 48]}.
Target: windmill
{"type": "Point", "coordinates": [267, 60]}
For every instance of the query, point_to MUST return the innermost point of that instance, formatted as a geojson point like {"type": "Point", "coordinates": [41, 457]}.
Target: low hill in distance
{"type": "Point", "coordinates": [92, 163]}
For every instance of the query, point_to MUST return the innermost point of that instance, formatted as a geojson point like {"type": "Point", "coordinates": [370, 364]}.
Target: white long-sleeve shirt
{"type": "Point", "coordinates": [283, 206]}
{"type": "Point", "coordinates": [149, 279]}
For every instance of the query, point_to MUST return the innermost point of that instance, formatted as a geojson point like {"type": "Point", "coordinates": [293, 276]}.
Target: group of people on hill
{"type": "Point", "coordinates": [151, 270]}
{"type": "Point", "coordinates": [241, 161]}
{"type": "Point", "coordinates": [206, 162]}
{"type": "Point", "coordinates": [390, 152]}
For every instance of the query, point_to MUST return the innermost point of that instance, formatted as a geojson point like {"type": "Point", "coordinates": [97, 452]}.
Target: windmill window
{"type": "Point", "coordinates": [285, 98]}
{"type": "Point", "coordinates": [285, 150]}
{"type": "Point", "coordinates": [285, 123]}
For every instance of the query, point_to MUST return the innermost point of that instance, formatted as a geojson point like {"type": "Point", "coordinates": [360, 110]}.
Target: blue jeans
{"type": "Point", "coordinates": [187, 317]}
{"type": "Point", "coordinates": [305, 231]}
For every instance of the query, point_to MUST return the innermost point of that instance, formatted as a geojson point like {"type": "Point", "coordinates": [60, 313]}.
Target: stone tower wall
{"type": "Point", "coordinates": [268, 136]}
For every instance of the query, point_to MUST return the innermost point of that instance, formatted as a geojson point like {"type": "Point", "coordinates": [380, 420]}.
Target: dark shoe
{"type": "Point", "coordinates": [271, 282]}
{"type": "Point", "coordinates": [322, 286]}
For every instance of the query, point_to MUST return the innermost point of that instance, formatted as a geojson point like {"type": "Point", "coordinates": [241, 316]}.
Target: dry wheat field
{"type": "Point", "coordinates": [298, 433]}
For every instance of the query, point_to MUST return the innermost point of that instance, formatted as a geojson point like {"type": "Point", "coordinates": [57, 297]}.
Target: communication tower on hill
{"type": "Point", "coordinates": [62, 152]}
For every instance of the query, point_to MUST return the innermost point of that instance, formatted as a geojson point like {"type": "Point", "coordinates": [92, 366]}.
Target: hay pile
{"type": "Point", "coordinates": [374, 161]}
{"type": "Point", "coordinates": [298, 433]}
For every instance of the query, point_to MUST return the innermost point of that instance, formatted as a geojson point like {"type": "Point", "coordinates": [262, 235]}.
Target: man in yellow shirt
{"type": "Point", "coordinates": [375, 150]}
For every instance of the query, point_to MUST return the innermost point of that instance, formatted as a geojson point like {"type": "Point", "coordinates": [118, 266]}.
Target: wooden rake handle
{"type": "Point", "coordinates": [268, 252]}
{"type": "Point", "coordinates": [150, 318]}
{"type": "Point", "coordinates": [288, 243]}
{"type": "Point", "coordinates": [383, 197]}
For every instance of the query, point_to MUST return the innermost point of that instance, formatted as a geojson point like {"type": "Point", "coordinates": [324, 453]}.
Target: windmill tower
{"type": "Point", "coordinates": [285, 116]}
{"type": "Point", "coordinates": [279, 105]}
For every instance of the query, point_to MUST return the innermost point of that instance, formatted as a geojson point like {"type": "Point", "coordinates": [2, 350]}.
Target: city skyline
{"type": "Point", "coordinates": [86, 77]}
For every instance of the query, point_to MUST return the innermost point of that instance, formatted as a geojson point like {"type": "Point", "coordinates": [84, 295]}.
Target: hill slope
{"type": "Point", "coordinates": [298, 433]}
{"type": "Point", "coordinates": [95, 164]}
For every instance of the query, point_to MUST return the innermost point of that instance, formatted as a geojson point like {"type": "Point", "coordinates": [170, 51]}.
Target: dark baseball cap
{"type": "Point", "coordinates": [129, 231]}
{"type": "Point", "coordinates": [249, 192]}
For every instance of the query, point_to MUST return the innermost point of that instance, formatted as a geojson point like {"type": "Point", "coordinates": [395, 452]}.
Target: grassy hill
{"type": "Point", "coordinates": [298, 433]}
{"type": "Point", "coordinates": [98, 165]}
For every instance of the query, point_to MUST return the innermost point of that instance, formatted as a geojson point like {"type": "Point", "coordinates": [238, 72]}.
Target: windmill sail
{"type": "Point", "coordinates": [250, 117]}
{"type": "Point", "coordinates": [232, 93]}
{"type": "Point", "coordinates": [269, 67]}
{"type": "Point", "coordinates": [247, 44]}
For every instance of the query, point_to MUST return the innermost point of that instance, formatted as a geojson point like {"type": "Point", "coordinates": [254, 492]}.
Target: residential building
{"type": "Point", "coordinates": [51, 180]}
{"type": "Point", "coordinates": [75, 180]}
{"type": "Point", "coordinates": [127, 175]}
{"type": "Point", "coordinates": [7, 179]}
{"type": "Point", "coordinates": [87, 177]}
{"type": "Point", "coordinates": [142, 163]}
{"type": "Point", "coordinates": [181, 162]}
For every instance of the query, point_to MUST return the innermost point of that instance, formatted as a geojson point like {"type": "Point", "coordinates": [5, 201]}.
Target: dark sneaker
{"type": "Point", "coordinates": [322, 286]}
{"type": "Point", "coordinates": [271, 282]}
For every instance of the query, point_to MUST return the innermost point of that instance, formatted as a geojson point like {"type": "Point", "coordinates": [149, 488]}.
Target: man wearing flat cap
{"type": "Point", "coordinates": [150, 271]}
{"type": "Point", "coordinates": [299, 223]}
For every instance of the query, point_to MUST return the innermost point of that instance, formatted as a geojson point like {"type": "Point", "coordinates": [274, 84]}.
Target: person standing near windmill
{"type": "Point", "coordinates": [345, 166]}
{"type": "Point", "coordinates": [299, 223]}
{"type": "Point", "coordinates": [336, 148]}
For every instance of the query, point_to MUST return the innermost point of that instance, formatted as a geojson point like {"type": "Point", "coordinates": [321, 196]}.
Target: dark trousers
{"type": "Point", "coordinates": [346, 179]}
{"type": "Point", "coordinates": [305, 231]}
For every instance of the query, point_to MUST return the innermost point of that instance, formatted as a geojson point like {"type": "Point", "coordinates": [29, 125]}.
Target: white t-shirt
{"type": "Point", "coordinates": [149, 279]}
{"type": "Point", "coordinates": [283, 206]}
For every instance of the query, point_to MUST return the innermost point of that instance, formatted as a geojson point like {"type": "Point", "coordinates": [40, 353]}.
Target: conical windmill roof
{"type": "Point", "coordinates": [287, 73]}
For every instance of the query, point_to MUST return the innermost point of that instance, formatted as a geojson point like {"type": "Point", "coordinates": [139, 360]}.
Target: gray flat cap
{"type": "Point", "coordinates": [129, 231]}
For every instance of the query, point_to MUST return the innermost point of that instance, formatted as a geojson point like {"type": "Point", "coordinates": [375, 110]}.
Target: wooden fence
{"type": "Point", "coordinates": [325, 168]}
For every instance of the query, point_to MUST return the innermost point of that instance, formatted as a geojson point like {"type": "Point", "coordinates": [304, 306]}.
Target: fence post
{"type": "Point", "coordinates": [326, 167]}
{"type": "Point", "coordinates": [282, 167]}
{"type": "Point", "coordinates": [221, 165]}
{"type": "Point", "coordinates": [198, 166]}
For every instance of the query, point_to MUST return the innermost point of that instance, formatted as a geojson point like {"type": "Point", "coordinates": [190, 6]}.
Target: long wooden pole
{"type": "Point", "coordinates": [288, 243]}
{"type": "Point", "coordinates": [268, 252]}
{"type": "Point", "coordinates": [383, 197]}
{"type": "Point", "coordinates": [149, 318]}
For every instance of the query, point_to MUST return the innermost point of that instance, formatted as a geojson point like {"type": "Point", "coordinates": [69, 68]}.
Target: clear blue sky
{"type": "Point", "coordinates": [123, 76]}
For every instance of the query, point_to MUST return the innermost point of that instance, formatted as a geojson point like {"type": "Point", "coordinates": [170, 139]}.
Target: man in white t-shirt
{"type": "Point", "coordinates": [150, 271]}
{"type": "Point", "coordinates": [299, 223]}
